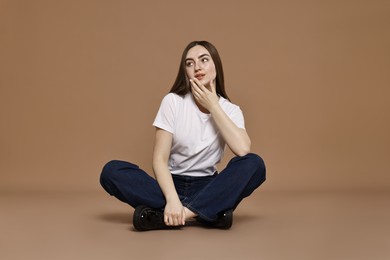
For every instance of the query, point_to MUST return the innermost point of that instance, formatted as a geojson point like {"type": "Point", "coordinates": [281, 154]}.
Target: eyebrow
{"type": "Point", "coordinates": [200, 56]}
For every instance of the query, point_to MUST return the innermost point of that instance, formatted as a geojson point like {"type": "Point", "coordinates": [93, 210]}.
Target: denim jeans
{"type": "Point", "coordinates": [206, 196]}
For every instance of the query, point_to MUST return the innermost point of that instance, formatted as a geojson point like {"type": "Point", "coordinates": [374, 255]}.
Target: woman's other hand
{"type": "Point", "coordinates": [174, 214]}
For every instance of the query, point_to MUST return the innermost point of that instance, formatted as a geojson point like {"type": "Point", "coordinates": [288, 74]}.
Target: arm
{"type": "Point", "coordinates": [174, 210]}
{"type": "Point", "coordinates": [236, 138]}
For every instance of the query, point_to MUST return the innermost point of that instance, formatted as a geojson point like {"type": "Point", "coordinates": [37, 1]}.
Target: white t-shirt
{"type": "Point", "coordinates": [197, 145]}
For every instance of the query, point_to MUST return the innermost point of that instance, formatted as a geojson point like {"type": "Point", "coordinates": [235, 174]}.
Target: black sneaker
{"type": "Point", "coordinates": [146, 218]}
{"type": "Point", "coordinates": [224, 221]}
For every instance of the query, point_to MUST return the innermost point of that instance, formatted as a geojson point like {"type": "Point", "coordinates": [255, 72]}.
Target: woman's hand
{"type": "Point", "coordinates": [174, 214]}
{"type": "Point", "coordinates": [236, 138]}
{"type": "Point", "coordinates": [207, 98]}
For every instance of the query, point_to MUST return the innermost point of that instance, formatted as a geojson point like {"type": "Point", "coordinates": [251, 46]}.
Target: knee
{"type": "Point", "coordinates": [109, 170]}
{"type": "Point", "coordinates": [109, 167]}
{"type": "Point", "coordinates": [115, 169]}
{"type": "Point", "coordinates": [254, 159]}
{"type": "Point", "coordinates": [257, 165]}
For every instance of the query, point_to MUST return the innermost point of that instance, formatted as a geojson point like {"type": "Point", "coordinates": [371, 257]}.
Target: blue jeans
{"type": "Point", "coordinates": [206, 196]}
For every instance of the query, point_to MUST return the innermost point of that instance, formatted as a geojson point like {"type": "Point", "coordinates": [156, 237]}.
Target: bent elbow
{"type": "Point", "coordinates": [242, 148]}
{"type": "Point", "coordinates": [243, 151]}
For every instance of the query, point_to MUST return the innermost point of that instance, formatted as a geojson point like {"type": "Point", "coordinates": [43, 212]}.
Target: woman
{"type": "Point", "coordinates": [194, 123]}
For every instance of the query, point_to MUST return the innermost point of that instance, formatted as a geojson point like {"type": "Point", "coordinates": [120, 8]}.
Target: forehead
{"type": "Point", "coordinates": [197, 51]}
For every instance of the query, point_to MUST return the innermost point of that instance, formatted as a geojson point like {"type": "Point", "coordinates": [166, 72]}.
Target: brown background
{"type": "Point", "coordinates": [81, 82]}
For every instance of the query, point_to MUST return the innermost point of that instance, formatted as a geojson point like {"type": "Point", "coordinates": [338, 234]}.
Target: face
{"type": "Point", "coordinates": [200, 65]}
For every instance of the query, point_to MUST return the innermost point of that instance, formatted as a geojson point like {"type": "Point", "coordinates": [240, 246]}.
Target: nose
{"type": "Point", "coordinates": [197, 67]}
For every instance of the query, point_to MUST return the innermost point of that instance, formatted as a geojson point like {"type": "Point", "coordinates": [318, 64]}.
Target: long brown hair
{"type": "Point", "coordinates": [182, 85]}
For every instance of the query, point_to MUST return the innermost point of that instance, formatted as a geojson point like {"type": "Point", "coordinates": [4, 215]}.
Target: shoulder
{"type": "Point", "coordinates": [172, 98]}
{"type": "Point", "coordinates": [233, 111]}
{"type": "Point", "coordinates": [228, 106]}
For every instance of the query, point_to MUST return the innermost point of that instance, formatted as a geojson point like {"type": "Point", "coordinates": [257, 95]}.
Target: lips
{"type": "Point", "coordinates": [199, 76]}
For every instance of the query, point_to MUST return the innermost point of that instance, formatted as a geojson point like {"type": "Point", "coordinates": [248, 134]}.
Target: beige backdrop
{"type": "Point", "coordinates": [81, 82]}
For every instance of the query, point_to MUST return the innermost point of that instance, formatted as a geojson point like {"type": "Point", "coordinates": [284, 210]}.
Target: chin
{"type": "Point", "coordinates": [205, 82]}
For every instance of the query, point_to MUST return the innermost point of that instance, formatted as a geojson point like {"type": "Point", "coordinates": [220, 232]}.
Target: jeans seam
{"type": "Point", "coordinates": [197, 211]}
{"type": "Point", "coordinates": [188, 205]}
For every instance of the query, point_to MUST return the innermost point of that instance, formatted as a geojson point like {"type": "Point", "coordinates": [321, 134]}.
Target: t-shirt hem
{"type": "Point", "coordinates": [195, 174]}
{"type": "Point", "coordinates": [164, 127]}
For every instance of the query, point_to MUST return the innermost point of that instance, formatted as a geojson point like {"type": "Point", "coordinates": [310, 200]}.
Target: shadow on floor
{"type": "Point", "coordinates": [127, 218]}
{"type": "Point", "coordinates": [120, 218]}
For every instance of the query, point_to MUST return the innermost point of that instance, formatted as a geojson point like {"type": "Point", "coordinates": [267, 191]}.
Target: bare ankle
{"type": "Point", "coordinates": [189, 214]}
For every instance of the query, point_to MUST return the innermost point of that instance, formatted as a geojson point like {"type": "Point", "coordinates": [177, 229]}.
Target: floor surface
{"type": "Point", "coordinates": [268, 225]}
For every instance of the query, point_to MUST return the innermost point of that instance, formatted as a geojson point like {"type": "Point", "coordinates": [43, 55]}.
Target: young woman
{"type": "Point", "coordinates": [194, 123]}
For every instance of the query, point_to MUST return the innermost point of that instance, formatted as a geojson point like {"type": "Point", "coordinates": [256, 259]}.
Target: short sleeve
{"type": "Point", "coordinates": [237, 117]}
{"type": "Point", "coordinates": [165, 118]}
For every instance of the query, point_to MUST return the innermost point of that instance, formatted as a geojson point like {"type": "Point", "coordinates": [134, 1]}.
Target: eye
{"type": "Point", "coordinates": [205, 59]}
{"type": "Point", "coordinates": [189, 63]}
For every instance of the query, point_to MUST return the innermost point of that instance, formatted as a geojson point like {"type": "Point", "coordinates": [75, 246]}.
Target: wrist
{"type": "Point", "coordinates": [214, 107]}
{"type": "Point", "coordinates": [172, 198]}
